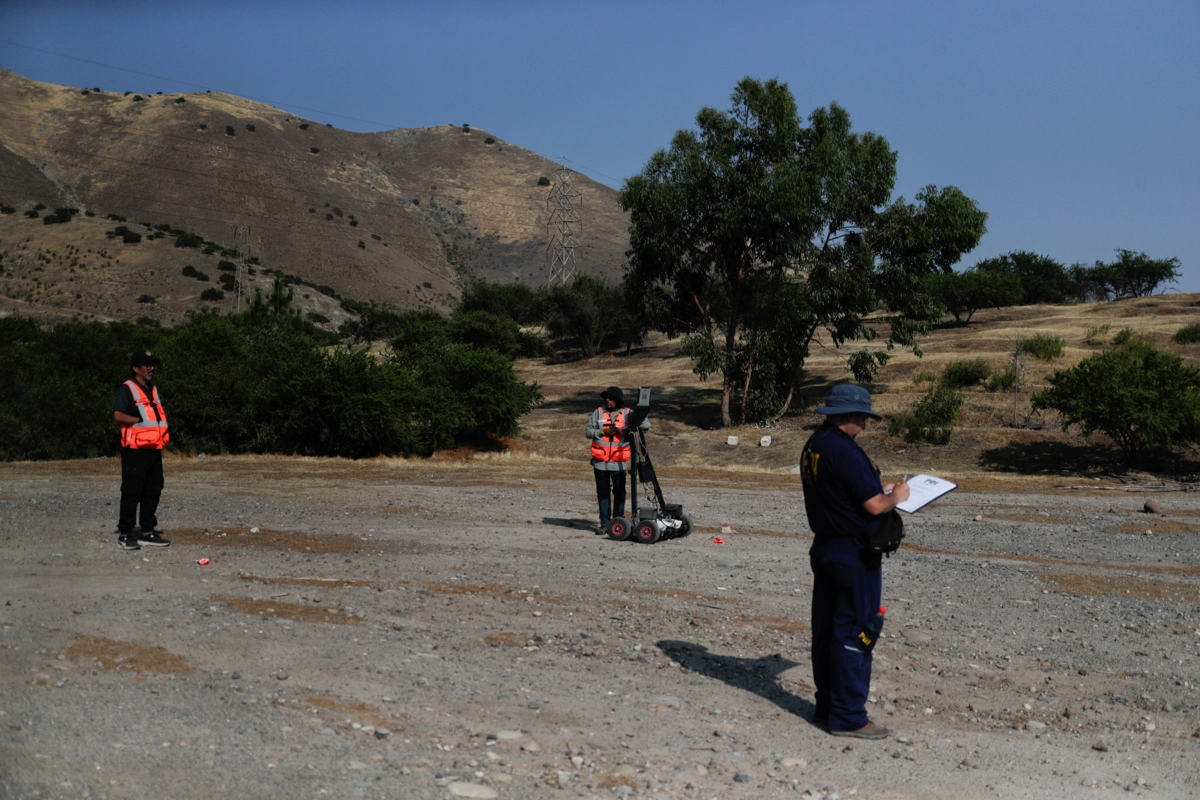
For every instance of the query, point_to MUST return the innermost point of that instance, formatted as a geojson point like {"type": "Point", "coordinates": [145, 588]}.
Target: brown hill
{"type": "Point", "coordinates": [404, 216]}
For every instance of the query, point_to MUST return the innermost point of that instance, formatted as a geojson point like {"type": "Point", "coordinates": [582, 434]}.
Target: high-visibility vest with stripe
{"type": "Point", "coordinates": [611, 448]}
{"type": "Point", "coordinates": [151, 432]}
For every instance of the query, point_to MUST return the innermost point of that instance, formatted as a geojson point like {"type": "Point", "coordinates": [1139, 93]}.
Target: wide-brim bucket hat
{"type": "Point", "coordinates": [846, 398]}
{"type": "Point", "coordinates": [613, 393]}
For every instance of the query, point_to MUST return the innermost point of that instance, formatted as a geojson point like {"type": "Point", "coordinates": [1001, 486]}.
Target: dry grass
{"type": "Point", "coordinates": [117, 655]}
{"type": "Point", "coordinates": [678, 594]}
{"type": "Point", "coordinates": [1120, 586]}
{"type": "Point", "coordinates": [354, 712]}
{"type": "Point", "coordinates": [295, 541]}
{"type": "Point", "coordinates": [781, 624]}
{"type": "Point", "coordinates": [611, 780]}
{"type": "Point", "coordinates": [505, 639]}
{"type": "Point", "coordinates": [333, 583]}
{"type": "Point", "coordinates": [292, 611]}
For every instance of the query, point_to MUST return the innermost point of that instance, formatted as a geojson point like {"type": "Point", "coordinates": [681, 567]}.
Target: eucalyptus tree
{"type": "Point", "coordinates": [755, 232]}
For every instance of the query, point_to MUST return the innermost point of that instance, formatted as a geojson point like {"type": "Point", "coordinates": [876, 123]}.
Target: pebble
{"type": "Point", "coordinates": [328, 732]}
{"type": "Point", "coordinates": [1101, 746]}
{"type": "Point", "coordinates": [466, 789]}
{"type": "Point", "coordinates": [794, 762]}
{"type": "Point", "coordinates": [356, 765]}
{"type": "Point", "coordinates": [915, 636]}
{"type": "Point", "coordinates": [741, 777]}
{"type": "Point", "coordinates": [1035, 725]}
{"type": "Point", "coordinates": [531, 747]}
{"type": "Point", "coordinates": [508, 736]}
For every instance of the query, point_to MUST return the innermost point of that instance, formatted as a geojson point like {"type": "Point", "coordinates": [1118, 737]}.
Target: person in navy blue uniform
{"type": "Point", "coordinates": [842, 490]}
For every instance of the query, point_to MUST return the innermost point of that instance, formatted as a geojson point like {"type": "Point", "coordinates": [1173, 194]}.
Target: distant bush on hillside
{"type": "Point", "coordinates": [543, 181]}
{"type": "Point", "coordinates": [303, 126]}
{"type": "Point", "coordinates": [60, 215]}
{"type": "Point", "coordinates": [226, 266]}
{"type": "Point", "coordinates": [1141, 397]}
{"type": "Point", "coordinates": [250, 127]}
{"type": "Point", "coordinates": [314, 317]}
{"type": "Point", "coordinates": [1004, 380]}
{"type": "Point", "coordinates": [362, 245]}
{"type": "Point", "coordinates": [964, 374]}
{"type": "Point", "coordinates": [1189, 334]}
{"type": "Point", "coordinates": [32, 213]}
{"type": "Point", "coordinates": [191, 272]}
{"type": "Point", "coordinates": [1124, 337]}
{"type": "Point", "coordinates": [127, 236]}
{"type": "Point", "coordinates": [314, 150]}
{"type": "Point", "coordinates": [180, 100]}
{"type": "Point", "coordinates": [189, 240]}
{"type": "Point", "coordinates": [229, 131]}
{"type": "Point", "coordinates": [146, 298]}
{"type": "Point", "coordinates": [1043, 347]}
{"type": "Point", "coordinates": [931, 419]}
{"type": "Point", "coordinates": [489, 140]}
{"type": "Point", "coordinates": [7, 209]}
{"type": "Point", "coordinates": [115, 217]}
{"type": "Point", "coordinates": [212, 295]}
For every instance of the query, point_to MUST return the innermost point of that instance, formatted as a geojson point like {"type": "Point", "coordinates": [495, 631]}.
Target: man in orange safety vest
{"type": "Point", "coordinates": [610, 453]}
{"type": "Point", "coordinates": [144, 434]}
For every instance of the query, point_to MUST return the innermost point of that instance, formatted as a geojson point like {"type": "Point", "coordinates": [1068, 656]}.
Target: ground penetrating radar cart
{"type": "Point", "coordinates": [650, 523]}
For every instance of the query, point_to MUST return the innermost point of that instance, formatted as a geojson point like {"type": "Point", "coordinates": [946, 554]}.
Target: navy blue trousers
{"type": "Point", "coordinates": [846, 596]}
{"type": "Point", "coordinates": [610, 482]}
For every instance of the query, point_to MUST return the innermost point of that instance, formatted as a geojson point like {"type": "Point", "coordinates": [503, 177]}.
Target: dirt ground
{"type": "Point", "coordinates": [454, 628]}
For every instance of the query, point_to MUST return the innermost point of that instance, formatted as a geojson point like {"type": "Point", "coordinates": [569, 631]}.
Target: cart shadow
{"type": "Point", "coordinates": [574, 524]}
{"type": "Point", "coordinates": [756, 675]}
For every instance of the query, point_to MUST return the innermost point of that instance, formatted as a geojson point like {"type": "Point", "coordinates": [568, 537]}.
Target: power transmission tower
{"type": "Point", "coordinates": [565, 226]}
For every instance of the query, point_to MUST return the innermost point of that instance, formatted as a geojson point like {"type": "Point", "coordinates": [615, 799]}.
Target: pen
{"type": "Point", "coordinates": [905, 478]}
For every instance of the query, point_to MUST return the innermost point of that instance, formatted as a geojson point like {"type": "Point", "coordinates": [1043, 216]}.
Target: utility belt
{"type": "Point", "coordinates": [885, 541]}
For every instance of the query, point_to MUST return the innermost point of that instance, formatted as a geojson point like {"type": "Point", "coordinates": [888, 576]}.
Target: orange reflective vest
{"type": "Point", "coordinates": [151, 433]}
{"type": "Point", "coordinates": [611, 448]}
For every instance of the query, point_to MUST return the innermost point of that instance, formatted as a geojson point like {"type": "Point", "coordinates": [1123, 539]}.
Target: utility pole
{"type": "Point", "coordinates": [565, 226]}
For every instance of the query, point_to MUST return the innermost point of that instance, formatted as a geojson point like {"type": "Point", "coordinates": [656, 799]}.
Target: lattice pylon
{"type": "Point", "coordinates": [565, 226]}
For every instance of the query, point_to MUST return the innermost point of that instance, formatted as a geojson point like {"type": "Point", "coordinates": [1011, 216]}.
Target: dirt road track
{"type": "Point", "coordinates": [425, 630]}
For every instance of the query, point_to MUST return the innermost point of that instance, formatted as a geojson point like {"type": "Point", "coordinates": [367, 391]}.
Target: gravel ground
{"type": "Point", "coordinates": [392, 629]}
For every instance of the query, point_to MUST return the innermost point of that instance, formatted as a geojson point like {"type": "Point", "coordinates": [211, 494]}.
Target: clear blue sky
{"type": "Point", "coordinates": [1076, 125]}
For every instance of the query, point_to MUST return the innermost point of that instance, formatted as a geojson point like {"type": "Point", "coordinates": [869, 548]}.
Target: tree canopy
{"type": "Point", "coordinates": [755, 232]}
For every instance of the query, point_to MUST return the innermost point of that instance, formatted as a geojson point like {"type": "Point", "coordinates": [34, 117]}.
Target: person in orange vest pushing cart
{"type": "Point", "coordinates": [607, 430]}
{"type": "Point", "coordinates": [144, 434]}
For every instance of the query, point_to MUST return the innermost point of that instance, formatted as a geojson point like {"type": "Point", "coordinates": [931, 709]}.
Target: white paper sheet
{"type": "Point", "coordinates": [923, 490]}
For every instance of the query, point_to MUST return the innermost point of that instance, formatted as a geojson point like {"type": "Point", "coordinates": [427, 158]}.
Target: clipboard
{"type": "Point", "coordinates": [923, 490]}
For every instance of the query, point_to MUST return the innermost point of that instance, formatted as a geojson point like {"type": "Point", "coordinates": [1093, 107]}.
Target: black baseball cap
{"type": "Point", "coordinates": [144, 358]}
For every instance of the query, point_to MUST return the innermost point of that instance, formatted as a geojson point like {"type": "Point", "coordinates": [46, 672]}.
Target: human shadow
{"type": "Point", "coordinates": [757, 675]}
{"type": "Point", "coordinates": [574, 524]}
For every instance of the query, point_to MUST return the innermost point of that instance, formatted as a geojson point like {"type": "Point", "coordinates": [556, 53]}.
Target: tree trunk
{"type": "Point", "coordinates": [787, 403]}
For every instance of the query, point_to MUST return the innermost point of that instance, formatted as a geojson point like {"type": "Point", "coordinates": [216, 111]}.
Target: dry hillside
{"type": "Point", "coordinates": [404, 216]}
{"type": "Point", "coordinates": [997, 432]}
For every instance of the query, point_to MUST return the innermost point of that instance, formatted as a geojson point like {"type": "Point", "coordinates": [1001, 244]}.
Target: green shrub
{"type": "Point", "coordinates": [188, 240]}
{"type": "Point", "coordinates": [931, 418]}
{"type": "Point", "coordinates": [1123, 337]}
{"type": "Point", "coordinates": [60, 216]}
{"type": "Point", "coordinates": [963, 374]}
{"type": "Point", "coordinates": [212, 295]}
{"type": "Point", "coordinates": [314, 150]}
{"type": "Point", "coordinates": [115, 217]}
{"type": "Point", "coordinates": [313, 316]}
{"type": "Point", "coordinates": [191, 272]}
{"type": "Point", "coordinates": [226, 266]}
{"type": "Point", "coordinates": [250, 127]}
{"type": "Point", "coordinates": [303, 126]}
{"type": "Point", "coordinates": [1094, 333]}
{"type": "Point", "coordinates": [924, 377]}
{"type": "Point", "coordinates": [32, 213]}
{"type": "Point", "coordinates": [1188, 334]}
{"type": "Point", "coordinates": [1043, 347]}
{"type": "Point", "coordinates": [1004, 380]}
{"type": "Point", "coordinates": [489, 140]}
{"type": "Point", "coordinates": [127, 236]}
{"type": "Point", "coordinates": [146, 298]}
{"type": "Point", "coordinates": [543, 181]}
{"type": "Point", "coordinates": [1139, 396]}
{"type": "Point", "coordinates": [229, 131]}
{"type": "Point", "coordinates": [7, 209]}
{"type": "Point", "coordinates": [362, 245]}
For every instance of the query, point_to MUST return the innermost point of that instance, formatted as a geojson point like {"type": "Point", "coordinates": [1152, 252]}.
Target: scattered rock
{"type": "Point", "coordinates": [1035, 725]}
{"type": "Point", "coordinates": [741, 777]}
{"type": "Point", "coordinates": [915, 636]}
{"type": "Point", "coordinates": [1101, 746]}
{"type": "Point", "coordinates": [531, 747]}
{"type": "Point", "coordinates": [1152, 507]}
{"type": "Point", "coordinates": [794, 762]}
{"type": "Point", "coordinates": [355, 765]}
{"type": "Point", "coordinates": [465, 789]}
{"type": "Point", "coordinates": [508, 736]}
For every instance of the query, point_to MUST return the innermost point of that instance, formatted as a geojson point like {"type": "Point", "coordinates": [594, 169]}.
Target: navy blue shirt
{"type": "Point", "coordinates": [837, 476]}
